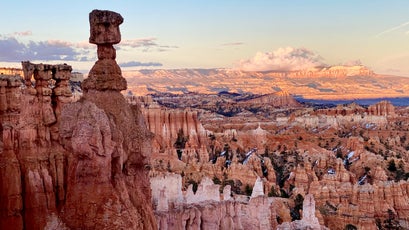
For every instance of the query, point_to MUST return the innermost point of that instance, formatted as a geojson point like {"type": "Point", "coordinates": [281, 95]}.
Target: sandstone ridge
{"type": "Point", "coordinates": [336, 82]}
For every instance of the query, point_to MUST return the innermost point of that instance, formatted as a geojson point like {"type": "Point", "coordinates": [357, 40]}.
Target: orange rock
{"type": "Point", "coordinates": [73, 165]}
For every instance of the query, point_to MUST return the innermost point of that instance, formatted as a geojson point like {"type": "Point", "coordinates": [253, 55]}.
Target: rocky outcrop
{"type": "Point", "coordinates": [333, 71]}
{"type": "Point", "coordinates": [166, 191]}
{"type": "Point", "coordinates": [308, 221]}
{"type": "Point", "coordinates": [104, 32]}
{"type": "Point", "coordinates": [340, 197]}
{"type": "Point", "coordinates": [206, 191]}
{"type": "Point", "coordinates": [278, 99]}
{"type": "Point", "coordinates": [31, 160]}
{"type": "Point", "coordinates": [205, 210]}
{"type": "Point", "coordinates": [222, 215]}
{"type": "Point", "coordinates": [361, 205]}
{"type": "Point", "coordinates": [109, 144]}
{"type": "Point", "coordinates": [258, 189]}
{"type": "Point", "coordinates": [328, 83]}
{"type": "Point", "coordinates": [177, 132]}
{"type": "Point", "coordinates": [382, 108]}
{"type": "Point", "coordinates": [75, 165]}
{"type": "Point", "coordinates": [10, 94]}
{"type": "Point", "coordinates": [337, 121]}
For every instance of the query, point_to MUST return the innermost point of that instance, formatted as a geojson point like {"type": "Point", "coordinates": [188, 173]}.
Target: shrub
{"type": "Point", "coordinates": [272, 192]}
{"type": "Point", "coordinates": [392, 166]}
{"type": "Point", "coordinates": [195, 185]}
{"type": "Point", "coordinates": [248, 190]}
{"type": "Point", "coordinates": [216, 180]}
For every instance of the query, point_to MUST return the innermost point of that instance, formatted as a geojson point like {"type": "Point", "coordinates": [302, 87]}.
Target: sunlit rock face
{"type": "Point", "coordinates": [109, 144]}
{"type": "Point", "coordinates": [105, 74]}
{"type": "Point", "coordinates": [79, 165]}
{"type": "Point", "coordinates": [383, 108]}
{"type": "Point", "coordinates": [178, 134]}
{"type": "Point", "coordinates": [31, 159]}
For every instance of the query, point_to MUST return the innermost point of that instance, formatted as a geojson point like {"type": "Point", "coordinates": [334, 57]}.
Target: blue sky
{"type": "Point", "coordinates": [264, 34]}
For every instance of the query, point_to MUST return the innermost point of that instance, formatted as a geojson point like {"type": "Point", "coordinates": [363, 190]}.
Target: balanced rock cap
{"type": "Point", "coordinates": [104, 27]}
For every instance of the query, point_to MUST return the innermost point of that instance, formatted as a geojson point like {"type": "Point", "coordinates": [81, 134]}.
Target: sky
{"type": "Point", "coordinates": [248, 35]}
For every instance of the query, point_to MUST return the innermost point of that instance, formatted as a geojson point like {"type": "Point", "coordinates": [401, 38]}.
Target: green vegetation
{"type": "Point", "coordinates": [216, 180]}
{"type": "Point", "coordinates": [195, 185]}
{"type": "Point", "coordinates": [248, 190]}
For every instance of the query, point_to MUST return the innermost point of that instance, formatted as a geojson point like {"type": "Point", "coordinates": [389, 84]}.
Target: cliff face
{"type": "Point", "coordinates": [176, 131]}
{"type": "Point", "coordinates": [32, 180]}
{"type": "Point", "coordinates": [383, 108]}
{"type": "Point", "coordinates": [74, 165]}
{"type": "Point", "coordinates": [278, 99]}
{"type": "Point", "coordinates": [333, 71]}
{"type": "Point", "coordinates": [361, 205]}
{"type": "Point", "coordinates": [330, 83]}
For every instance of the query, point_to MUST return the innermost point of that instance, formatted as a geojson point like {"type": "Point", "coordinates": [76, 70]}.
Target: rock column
{"type": "Point", "coordinates": [107, 144]}
{"type": "Point", "coordinates": [104, 32]}
{"type": "Point", "coordinates": [10, 94]}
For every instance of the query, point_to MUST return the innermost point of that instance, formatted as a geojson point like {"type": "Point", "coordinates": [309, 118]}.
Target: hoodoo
{"type": "Point", "coordinates": [108, 144]}
{"type": "Point", "coordinates": [79, 165]}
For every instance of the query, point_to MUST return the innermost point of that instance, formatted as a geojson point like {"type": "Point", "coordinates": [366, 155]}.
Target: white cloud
{"type": "Point", "coordinates": [13, 50]}
{"type": "Point", "coordinates": [393, 29]}
{"type": "Point", "coordinates": [232, 44]}
{"type": "Point", "coordinates": [23, 33]}
{"type": "Point", "coordinates": [139, 42]}
{"type": "Point", "coordinates": [352, 63]}
{"type": "Point", "coordinates": [137, 64]}
{"type": "Point", "coordinates": [282, 59]}
{"type": "Point", "coordinates": [146, 44]}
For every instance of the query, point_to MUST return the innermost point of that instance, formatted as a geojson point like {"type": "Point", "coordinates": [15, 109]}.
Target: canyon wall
{"type": "Point", "coordinates": [332, 159]}
{"type": "Point", "coordinates": [176, 131]}
{"type": "Point", "coordinates": [278, 99]}
{"type": "Point", "coordinates": [32, 181]}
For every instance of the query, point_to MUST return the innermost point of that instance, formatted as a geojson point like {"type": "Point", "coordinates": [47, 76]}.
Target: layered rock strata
{"type": "Point", "coordinates": [177, 131]}
{"type": "Point", "coordinates": [32, 163]}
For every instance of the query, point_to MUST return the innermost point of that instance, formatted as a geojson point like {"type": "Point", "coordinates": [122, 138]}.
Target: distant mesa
{"type": "Point", "coordinates": [278, 99]}
{"type": "Point", "coordinates": [324, 83]}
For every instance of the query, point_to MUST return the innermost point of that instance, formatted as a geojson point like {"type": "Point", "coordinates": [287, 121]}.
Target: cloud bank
{"type": "Point", "coordinates": [282, 59]}
{"type": "Point", "coordinates": [12, 50]}
{"type": "Point", "coordinates": [23, 33]}
{"type": "Point", "coordinates": [146, 44]}
{"type": "Point", "coordinates": [137, 64]}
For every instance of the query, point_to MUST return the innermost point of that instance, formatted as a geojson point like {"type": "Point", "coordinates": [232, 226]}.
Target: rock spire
{"type": "Point", "coordinates": [80, 165]}
{"type": "Point", "coordinates": [104, 32]}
